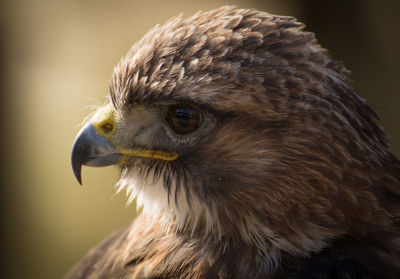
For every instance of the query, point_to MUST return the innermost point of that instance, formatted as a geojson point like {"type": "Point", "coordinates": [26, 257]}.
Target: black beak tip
{"type": "Point", "coordinates": [76, 167]}
{"type": "Point", "coordinates": [77, 173]}
{"type": "Point", "coordinates": [77, 159]}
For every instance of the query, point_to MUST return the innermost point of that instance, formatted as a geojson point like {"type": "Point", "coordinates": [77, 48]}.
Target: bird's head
{"type": "Point", "coordinates": [235, 124]}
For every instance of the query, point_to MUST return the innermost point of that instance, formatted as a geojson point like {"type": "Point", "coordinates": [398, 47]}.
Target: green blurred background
{"type": "Point", "coordinates": [57, 57]}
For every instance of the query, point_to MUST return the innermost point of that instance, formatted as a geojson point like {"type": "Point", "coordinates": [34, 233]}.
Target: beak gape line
{"type": "Point", "coordinates": [94, 146]}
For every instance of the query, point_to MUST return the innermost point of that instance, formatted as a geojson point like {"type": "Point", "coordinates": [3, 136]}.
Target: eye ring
{"type": "Point", "coordinates": [183, 118]}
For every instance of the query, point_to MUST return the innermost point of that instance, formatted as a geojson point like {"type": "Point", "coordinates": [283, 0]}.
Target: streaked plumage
{"type": "Point", "coordinates": [286, 174]}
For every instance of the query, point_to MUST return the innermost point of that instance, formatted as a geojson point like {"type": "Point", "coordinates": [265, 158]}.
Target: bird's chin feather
{"type": "Point", "coordinates": [166, 199]}
{"type": "Point", "coordinates": [172, 204]}
{"type": "Point", "coordinates": [176, 209]}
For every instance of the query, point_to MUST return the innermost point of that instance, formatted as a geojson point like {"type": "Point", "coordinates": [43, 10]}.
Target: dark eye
{"type": "Point", "coordinates": [183, 118]}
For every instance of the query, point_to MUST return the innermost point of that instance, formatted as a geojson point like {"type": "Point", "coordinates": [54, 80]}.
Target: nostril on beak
{"type": "Point", "coordinates": [107, 128]}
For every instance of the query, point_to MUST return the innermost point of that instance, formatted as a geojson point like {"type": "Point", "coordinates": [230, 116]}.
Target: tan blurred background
{"type": "Point", "coordinates": [57, 57]}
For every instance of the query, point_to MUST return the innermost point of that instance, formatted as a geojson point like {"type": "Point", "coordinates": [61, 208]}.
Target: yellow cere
{"type": "Point", "coordinates": [103, 122]}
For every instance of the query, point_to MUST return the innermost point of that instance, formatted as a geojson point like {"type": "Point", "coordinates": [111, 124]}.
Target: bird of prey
{"type": "Point", "coordinates": [250, 154]}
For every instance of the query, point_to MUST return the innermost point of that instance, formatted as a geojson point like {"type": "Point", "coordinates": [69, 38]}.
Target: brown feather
{"type": "Point", "coordinates": [295, 167]}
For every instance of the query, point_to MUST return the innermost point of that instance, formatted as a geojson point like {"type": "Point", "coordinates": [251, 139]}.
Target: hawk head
{"type": "Point", "coordinates": [236, 125]}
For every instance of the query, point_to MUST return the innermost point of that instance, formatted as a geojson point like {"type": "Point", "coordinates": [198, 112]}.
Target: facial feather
{"type": "Point", "coordinates": [295, 156]}
{"type": "Point", "coordinates": [281, 168]}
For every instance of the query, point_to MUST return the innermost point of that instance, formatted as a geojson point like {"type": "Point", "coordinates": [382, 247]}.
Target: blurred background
{"type": "Point", "coordinates": [56, 59]}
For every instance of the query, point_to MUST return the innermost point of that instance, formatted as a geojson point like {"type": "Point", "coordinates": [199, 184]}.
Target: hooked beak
{"type": "Point", "coordinates": [94, 145]}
